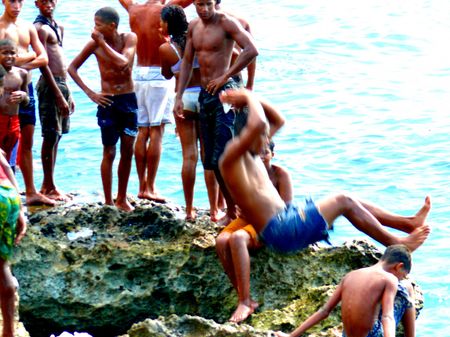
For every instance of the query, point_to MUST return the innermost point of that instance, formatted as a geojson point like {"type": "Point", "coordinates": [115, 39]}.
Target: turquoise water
{"type": "Point", "coordinates": [365, 87]}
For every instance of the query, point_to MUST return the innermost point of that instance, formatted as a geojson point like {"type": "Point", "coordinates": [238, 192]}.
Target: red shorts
{"type": "Point", "coordinates": [9, 133]}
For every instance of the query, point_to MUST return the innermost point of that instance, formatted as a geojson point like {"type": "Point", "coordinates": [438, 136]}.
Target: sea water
{"type": "Point", "coordinates": [365, 89]}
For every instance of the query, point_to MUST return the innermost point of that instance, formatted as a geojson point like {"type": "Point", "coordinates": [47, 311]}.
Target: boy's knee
{"type": "Point", "coordinates": [222, 240]}
{"type": "Point", "coordinates": [239, 237]}
{"type": "Point", "coordinates": [7, 290]}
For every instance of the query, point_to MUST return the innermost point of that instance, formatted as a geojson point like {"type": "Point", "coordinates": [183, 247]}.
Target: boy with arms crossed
{"type": "Point", "coordinates": [117, 105]}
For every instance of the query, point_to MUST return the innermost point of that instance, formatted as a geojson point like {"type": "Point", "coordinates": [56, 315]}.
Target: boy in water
{"type": "Point", "coordinates": [15, 92]}
{"type": "Point", "coordinates": [13, 228]}
{"type": "Point", "coordinates": [55, 103]}
{"type": "Point", "coordinates": [373, 301]}
{"type": "Point", "coordinates": [284, 227]}
{"type": "Point", "coordinates": [117, 105]}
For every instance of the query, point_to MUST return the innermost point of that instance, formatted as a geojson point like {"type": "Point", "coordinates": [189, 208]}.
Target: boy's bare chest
{"type": "Point", "coordinates": [209, 39]}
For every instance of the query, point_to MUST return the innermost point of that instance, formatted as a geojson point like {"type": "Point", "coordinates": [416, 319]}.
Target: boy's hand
{"type": "Point", "coordinates": [178, 108]}
{"type": "Point", "coordinates": [62, 105]}
{"type": "Point", "coordinates": [216, 84]}
{"type": "Point", "coordinates": [100, 99]}
{"type": "Point", "coordinates": [97, 36]}
{"type": "Point", "coordinates": [236, 97]}
{"type": "Point", "coordinates": [21, 228]}
{"type": "Point", "coordinates": [17, 97]}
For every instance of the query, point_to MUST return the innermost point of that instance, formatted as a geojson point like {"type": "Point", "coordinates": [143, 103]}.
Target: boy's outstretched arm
{"type": "Point", "coordinates": [318, 316]}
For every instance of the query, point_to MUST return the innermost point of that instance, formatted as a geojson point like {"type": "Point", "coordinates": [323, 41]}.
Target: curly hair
{"type": "Point", "coordinates": [177, 24]}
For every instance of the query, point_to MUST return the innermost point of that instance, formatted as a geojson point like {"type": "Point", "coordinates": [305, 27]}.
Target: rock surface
{"type": "Point", "coordinates": [122, 268]}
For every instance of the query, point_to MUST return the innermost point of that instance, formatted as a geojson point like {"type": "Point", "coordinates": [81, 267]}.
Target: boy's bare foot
{"type": "Point", "coordinates": [56, 195]}
{"type": "Point", "coordinates": [124, 206]}
{"type": "Point", "coordinates": [216, 215]}
{"type": "Point", "coordinates": [416, 238]}
{"type": "Point", "coordinates": [190, 216]}
{"type": "Point", "coordinates": [152, 197]}
{"type": "Point", "coordinates": [38, 199]}
{"type": "Point", "coordinates": [421, 215]}
{"type": "Point", "coordinates": [241, 313]}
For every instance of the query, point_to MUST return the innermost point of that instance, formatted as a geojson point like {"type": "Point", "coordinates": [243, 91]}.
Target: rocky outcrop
{"type": "Point", "coordinates": [93, 268]}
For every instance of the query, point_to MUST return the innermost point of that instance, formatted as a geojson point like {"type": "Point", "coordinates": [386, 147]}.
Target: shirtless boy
{"type": "Point", "coordinates": [211, 37]}
{"type": "Point", "coordinates": [240, 234]}
{"type": "Point", "coordinates": [373, 301]}
{"type": "Point", "coordinates": [15, 91]}
{"type": "Point", "coordinates": [117, 104]}
{"type": "Point", "coordinates": [25, 36]}
{"type": "Point", "coordinates": [284, 227]}
{"type": "Point", "coordinates": [153, 91]}
{"type": "Point", "coordinates": [55, 101]}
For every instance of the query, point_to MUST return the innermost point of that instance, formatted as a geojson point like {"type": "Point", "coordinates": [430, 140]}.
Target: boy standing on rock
{"type": "Point", "coordinates": [55, 103]}
{"type": "Point", "coordinates": [373, 301]}
{"type": "Point", "coordinates": [117, 104]}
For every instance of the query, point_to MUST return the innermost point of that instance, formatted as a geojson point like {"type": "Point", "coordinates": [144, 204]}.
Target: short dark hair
{"type": "Point", "coordinates": [218, 2]}
{"type": "Point", "coordinates": [108, 15]}
{"type": "Point", "coordinates": [7, 42]}
{"type": "Point", "coordinates": [396, 254]}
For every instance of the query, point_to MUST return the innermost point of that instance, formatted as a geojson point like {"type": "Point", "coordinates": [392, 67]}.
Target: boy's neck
{"type": "Point", "coordinates": [50, 17]}
{"type": "Point", "coordinates": [8, 18]}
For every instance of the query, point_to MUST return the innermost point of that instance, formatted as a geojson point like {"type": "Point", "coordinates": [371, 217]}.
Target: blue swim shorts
{"type": "Point", "coordinates": [118, 118]}
{"type": "Point", "coordinates": [27, 113]}
{"type": "Point", "coordinates": [294, 229]}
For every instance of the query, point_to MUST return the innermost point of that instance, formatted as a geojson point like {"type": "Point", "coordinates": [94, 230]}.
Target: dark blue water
{"type": "Point", "coordinates": [365, 87]}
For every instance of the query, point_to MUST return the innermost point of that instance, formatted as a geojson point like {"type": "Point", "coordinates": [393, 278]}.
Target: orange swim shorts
{"type": "Point", "coordinates": [238, 224]}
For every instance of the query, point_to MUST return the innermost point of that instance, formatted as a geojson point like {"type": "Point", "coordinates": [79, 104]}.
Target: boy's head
{"type": "Point", "coordinates": [107, 16]}
{"type": "Point", "coordinates": [13, 7]}
{"type": "Point", "coordinates": [399, 257]}
{"type": "Point", "coordinates": [46, 7]}
{"type": "Point", "coordinates": [267, 153]}
{"type": "Point", "coordinates": [8, 52]}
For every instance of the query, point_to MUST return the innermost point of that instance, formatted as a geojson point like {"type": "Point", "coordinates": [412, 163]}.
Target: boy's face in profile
{"type": "Point", "coordinates": [46, 7]}
{"type": "Point", "coordinates": [7, 57]}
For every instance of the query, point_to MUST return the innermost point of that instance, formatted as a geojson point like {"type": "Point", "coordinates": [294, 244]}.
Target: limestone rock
{"type": "Point", "coordinates": [125, 268]}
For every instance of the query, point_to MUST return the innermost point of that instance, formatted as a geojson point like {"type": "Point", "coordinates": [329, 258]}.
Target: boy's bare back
{"type": "Point", "coordinates": [363, 291]}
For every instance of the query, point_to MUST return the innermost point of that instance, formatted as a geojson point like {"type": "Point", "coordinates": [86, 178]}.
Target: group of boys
{"type": "Point", "coordinates": [260, 210]}
{"type": "Point", "coordinates": [23, 47]}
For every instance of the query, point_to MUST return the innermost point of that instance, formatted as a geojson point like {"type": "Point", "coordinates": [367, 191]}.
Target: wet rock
{"type": "Point", "coordinates": [136, 267]}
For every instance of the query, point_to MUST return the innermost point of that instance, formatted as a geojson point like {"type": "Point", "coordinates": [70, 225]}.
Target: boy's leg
{"type": "Point", "coordinates": [363, 220]}
{"type": "Point", "coordinates": [140, 153]}
{"type": "Point", "coordinates": [153, 157]}
{"type": "Point", "coordinates": [48, 157]}
{"type": "Point", "coordinates": [7, 293]}
{"type": "Point", "coordinates": [187, 131]}
{"type": "Point", "coordinates": [239, 245]}
{"type": "Point", "coordinates": [405, 224]}
{"type": "Point", "coordinates": [109, 153]}
{"type": "Point", "coordinates": [124, 169]}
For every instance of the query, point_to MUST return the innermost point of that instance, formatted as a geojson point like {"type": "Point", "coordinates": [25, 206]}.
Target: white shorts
{"type": "Point", "coordinates": [155, 96]}
{"type": "Point", "coordinates": [190, 99]}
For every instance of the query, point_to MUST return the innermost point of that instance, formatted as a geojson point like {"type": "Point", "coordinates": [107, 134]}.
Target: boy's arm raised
{"type": "Point", "coordinates": [126, 57]}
